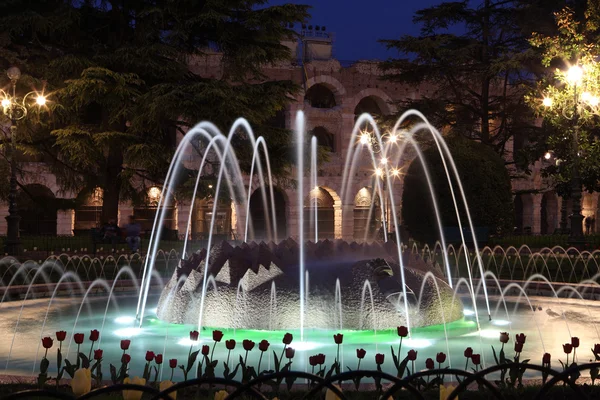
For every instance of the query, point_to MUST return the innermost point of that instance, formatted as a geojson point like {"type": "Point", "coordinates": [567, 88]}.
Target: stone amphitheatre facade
{"type": "Point", "coordinates": [333, 94]}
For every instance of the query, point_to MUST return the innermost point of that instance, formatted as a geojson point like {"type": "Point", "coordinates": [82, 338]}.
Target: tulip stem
{"type": "Point", "coordinates": [213, 351]}
{"type": "Point", "coordinates": [283, 352]}
{"type": "Point", "coordinates": [228, 354]}
{"type": "Point", "coordinates": [399, 348]}
{"type": "Point", "coordinates": [259, 361]}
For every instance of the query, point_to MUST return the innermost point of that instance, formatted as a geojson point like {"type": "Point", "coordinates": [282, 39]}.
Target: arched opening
{"type": "Point", "coordinates": [367, 219]}
{"type": "Point", "coordinates": [202, 217]}
{"type": "Point", "coordinates": [146, 213]}
{"type": "Point", "coordinates": [369, 104]}
{"type": "Point", "coordinates": [260, 215]}
{"type": "Point", "coordinates": [549, 213]}
{"type": "Point", "coordinates": [320, 96]}
{"type": "Point", "coordinates": [37, 209]}
{"type": "Point", "coordinates": [523, 214]}
{"type": "Point", "coordinates": [88, 214]}
{"type": "Point", "coordinates": [325, 138]}
{"type": "Point", "coordinates": [325, 223]}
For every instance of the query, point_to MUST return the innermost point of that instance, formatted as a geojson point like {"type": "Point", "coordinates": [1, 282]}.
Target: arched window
{"type": "Point", "coordinates": [89, 213]}
{"type": "Point", "coordinates": [369, 104]}
{"type": "Point", "coordinates": [324, 138]}
{"type": "Point", "coordinates": [320, 96]}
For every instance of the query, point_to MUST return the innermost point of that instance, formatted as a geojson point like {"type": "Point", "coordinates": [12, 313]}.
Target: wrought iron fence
{"type": "Point", "coordinates": [484, 379]}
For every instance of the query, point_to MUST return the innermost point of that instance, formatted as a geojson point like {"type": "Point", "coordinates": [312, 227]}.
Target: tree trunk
{"type": "Point", "coordinates": [112, 184]}
{"type": "Point", "coordinates": [485, 84]}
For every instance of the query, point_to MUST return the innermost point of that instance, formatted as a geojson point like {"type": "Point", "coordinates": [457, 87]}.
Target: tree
{"type": "Point", "coordinates": [122, 86]}
{"type": "Point", "coordinates": [475, 61]}
{"type": "Point", "coordinates": [487, 189]}
{"type": "Point", "coordinates": [570, 107]}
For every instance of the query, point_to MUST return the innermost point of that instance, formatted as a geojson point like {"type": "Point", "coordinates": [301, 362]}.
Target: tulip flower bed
{"type": "Point", "coordinates": [208, 378]}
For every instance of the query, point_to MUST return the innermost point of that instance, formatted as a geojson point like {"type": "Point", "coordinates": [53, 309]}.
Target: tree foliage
{"type": "Point", "coordinates": [122, 86]}
{"type": "Point", "coordinates": [571, 109]}
{"type": "Point", "coordinates": [474, 61]}
{"type": "Point", "coordinates": [484, 178]}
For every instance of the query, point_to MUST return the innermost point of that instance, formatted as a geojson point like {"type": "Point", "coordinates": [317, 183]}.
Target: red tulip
{"type": "Point", "coordinates": [248, 344]}
{"type": "Point", "coordinates": [263, 345]}
{"type": "Point", "coordinates": [520, 338]}
{"type": "Point", "coordinates": [173, 363]}
{"type": "Point", "coordinates": [158, 359]}
{"type": "Point", "coordinates": [476, 358]}
{"type": "Point", "coordinates": [440, 358]}
{"type": "Point", "coordinates": [504, 337]}
{"type": "Point", "coordinates": [61, 335]}
{"type": "Point", "coordinates": [429, 364]}
{"type": "Point", "coordinates": [94, 335]}
{"type": "Point", "coordinates": [361, 353]}
{"type": "Point", "coordinates": [546, 359]}
{"type": "Point", "coordinates": [412, 355]}
{"type": "Point", "coordinates": [313, 360]}
{"type": "Point", "coordinates": [287, 338]}
{"type": "Point", "coordinates": [567, 348]}
{"type": "Point", "coordinates": [194, 335]}
{"type": "Point", "coordinates": [149, 356]}
{"type": "Point", "coordinates": [518, 347]}
{"type": "Point", "coordinates": [402, 331]}
{"type": "Point", "coordinates": [47, 342]}
{"type": "Point", "coordinates": [379, 358]}
{"type": "Point", "coordinates": [230, 344]}
{"type": "Point", "coordinates": [338, 339]}
{"type": "Point", "coordinates": [125, 358]}
{"type": "Point", "coordinates": [575, 342]}
{"type": "Point", "coordinates": [596, 349]}
{"type": "Point", "coordinates": [98, 354]}
{"type": "Point", "coordinates": [78, 338]}
{"type": "Point", "coordinates": [125, 344]}
{"type": "Point", "coordinates": [205, 350]}
{"type": "Point", "coordinates": [321, 358]}
{"type": "Point", "coordinates": [289, 352]}
{"type": "Point", "coordinates": [217, 336]}
{"type": "Point", "coordinates": [468, 352]}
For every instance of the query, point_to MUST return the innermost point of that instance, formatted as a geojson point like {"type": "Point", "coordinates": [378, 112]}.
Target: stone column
{"type": "Point", "coordinates": [536, 227]}
{"type": "Point", "coordinates": [3, 214]}
{"type": "Point", "coordinates": [294, 220]}
{"type": "Point", "coordinates": [183, 214]}
{"type": "Point", "coordinates": [343, 141]}
{"type": "Point", "coordinates": [125, 211]}
{"type": "Point", "coordinates": [65, 222]}
{"type": "Point", "coordinates": [239, 224]}
{"type": "Point", "coordinates": [347, 222]}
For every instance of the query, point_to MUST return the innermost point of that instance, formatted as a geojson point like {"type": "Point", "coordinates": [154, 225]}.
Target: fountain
{"type": "Point", "coordinates": [261, 289]}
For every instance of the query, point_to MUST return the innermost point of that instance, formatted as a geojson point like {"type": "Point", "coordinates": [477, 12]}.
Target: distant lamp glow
{"type": "Point", "coordinates": [393, 138]}
{"type": "Point", "coordinates": [384, 161]}
{"type": "Point", "coordinates": [548, 155]}
{"type": "Point", "coordinates": [365, 138]}
{"type": "Point", "coordinates": [575, 74]}
{"type": "Point", "coordinates": [210, 186]}
{"type": "Point", "coordinates": [379, 172]}
{"type": "Point", "coordinates": [5, 103]}
{"type": "Point", "coordinates": [594, 101]}
{"type": "Point", "coordinates": [40, 100]}
{"type": "Point", "coordinates": [396, 172]}
{"type": "Point", "coordinates": [547, 102]}
{"type": "Point", "coordinates": [154, 193]}
{"type": "Point", "coordinates": [586, 96]}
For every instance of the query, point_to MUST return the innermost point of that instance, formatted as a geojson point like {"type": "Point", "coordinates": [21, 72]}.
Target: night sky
{"type": "Point", "coordinates": [358, 24]}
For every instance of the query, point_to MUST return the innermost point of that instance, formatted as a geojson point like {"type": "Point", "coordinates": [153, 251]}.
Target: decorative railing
{"type": "Point", "coordinates": [484, 380]}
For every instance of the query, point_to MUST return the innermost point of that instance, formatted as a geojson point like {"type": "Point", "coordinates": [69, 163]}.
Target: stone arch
{"type": "Point", "coordinates": [381, 98]}
{"type": "Point", "coordinates": [325, 138]}
{"type": "Point", "coordinates": [329, 213]}
{"type": "Point", "coordinates": [202, 211]}
{"type": "Point", "coordinates": [523, 213]}
{"type": "Point", "coordinates": [261, 216]}
{"type": "Point", "coordinates": [549, 213]}
{"type": "Point", "coordinates": [367, 215]}
{"type": "Point", "coordinates": [88, 212]}
{"type": "Point", "coordinates": [145, 213]}
{"type": "Point", "coordinates": [329, 82]}
{"type": "Point", "coordinates": [37, 208]}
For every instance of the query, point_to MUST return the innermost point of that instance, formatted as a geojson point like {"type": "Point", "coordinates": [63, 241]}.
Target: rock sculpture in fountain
{"type": "Point", "coordinates": [255, 286]}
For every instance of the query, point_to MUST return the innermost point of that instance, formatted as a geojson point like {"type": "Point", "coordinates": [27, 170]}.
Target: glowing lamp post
{"type": "Point", "coordinates": [15, 108]}
{"type": "Point", "coordinates": [575, 98]}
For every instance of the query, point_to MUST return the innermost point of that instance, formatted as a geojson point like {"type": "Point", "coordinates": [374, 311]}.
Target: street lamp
{"type": "Point", "coordinates": [15, 108]}
{"type": "Point", "coordinates": [583, 101]}
{"type": "Point", "coordinates": [381, 173]}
